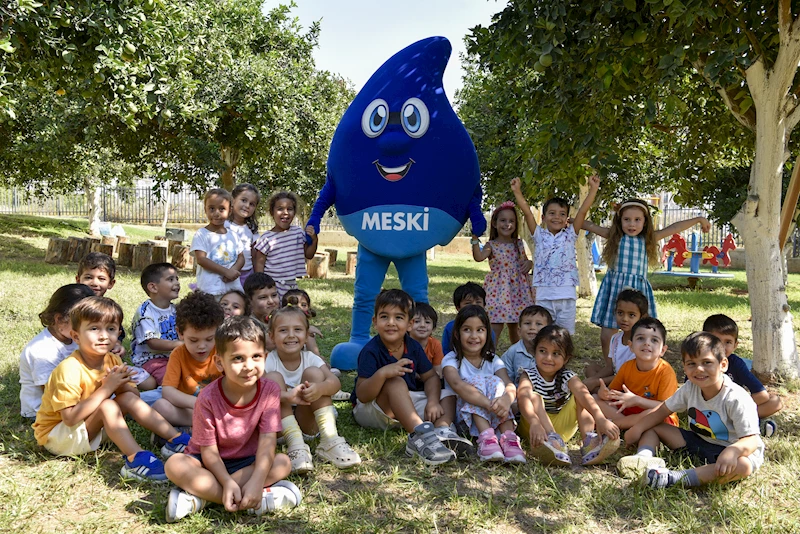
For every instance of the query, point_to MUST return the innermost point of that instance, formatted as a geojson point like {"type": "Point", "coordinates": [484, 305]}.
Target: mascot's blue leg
{"type": "Point", "coordinates": [413, 273]}
{"type": "Point", "coordinates": [370, 273]}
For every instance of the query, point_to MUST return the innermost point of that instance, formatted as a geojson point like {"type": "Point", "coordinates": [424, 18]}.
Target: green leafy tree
{"type": "Point", "coordinates": [669, 88]}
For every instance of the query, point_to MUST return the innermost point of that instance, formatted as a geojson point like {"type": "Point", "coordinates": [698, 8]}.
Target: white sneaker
{"type": "Point", "coordinates": [180, 504]}
{"type": "Point", "coordinates": [634, 466]}
{"type": "Point", "coordinates": [461, 446]}
{"type": "Point", "coordinates": [282, 494]}
{"type": "Point", "coordinates": [301, 460]}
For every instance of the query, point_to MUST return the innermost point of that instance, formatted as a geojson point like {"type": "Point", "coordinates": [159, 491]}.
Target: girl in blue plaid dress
{"type": "Point", "coordinates": [631, 242]}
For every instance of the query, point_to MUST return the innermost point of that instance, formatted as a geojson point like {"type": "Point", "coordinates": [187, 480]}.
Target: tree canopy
{"type": "Point", "coordinates": [667, 90]}
{"type": "Point", "coordinates": [183, 91]}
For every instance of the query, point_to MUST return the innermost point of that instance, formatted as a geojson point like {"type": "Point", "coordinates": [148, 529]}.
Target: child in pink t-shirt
{"type": "Point", "coordinates": [231, 458]}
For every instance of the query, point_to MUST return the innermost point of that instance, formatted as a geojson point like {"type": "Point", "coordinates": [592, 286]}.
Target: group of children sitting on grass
{"type": "Point", "coordinates": [240, 368]}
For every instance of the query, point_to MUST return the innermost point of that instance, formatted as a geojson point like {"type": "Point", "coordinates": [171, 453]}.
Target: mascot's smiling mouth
{"type": "Point", "coordinates": [393, 174]}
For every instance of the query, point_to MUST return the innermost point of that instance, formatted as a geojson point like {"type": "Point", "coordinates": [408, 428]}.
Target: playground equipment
{"type": "Point", "coordinates": [675, 253]}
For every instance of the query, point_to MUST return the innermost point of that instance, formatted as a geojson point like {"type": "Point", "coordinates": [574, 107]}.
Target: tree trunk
{"type": "Point", "coordinates": [587, 281]}
{"type": "Point", "coordinates": [166, 213]}
{"type": "Point", "coordinates": [230, 157]}
{"type": "Point", "coordinates": [93, 200]}
{"type": "Point", "coordinates": [774, 348]}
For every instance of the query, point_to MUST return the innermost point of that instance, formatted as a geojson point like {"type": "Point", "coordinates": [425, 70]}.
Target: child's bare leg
{"type": "Point", "coordinates": [497, 329]}
{"type": "Point", "coordinates": [513, 332]}
{"type": "Point", "coordinates": [305, 414]}
{"type": "Point", "coordinates": [395, 401]}
{"type": "Point", "coordinates": [449, 408]}
{"type": "Point", "coordinates": [481, 423]}
{"type": "Point", "coordinates": [605, 338]}
{"type": "Point", "coordinates": [148, 384]}
{"type": "Point", "coordinates": [593, 369]}
{"type": "Point", "coordinates": [145, 415]}
{"type": "Point", "coordinates": [708, 473]}
{"type": "Point", "coordinates": [188, 473]}
{"type": "Point", "coordinates": [109, 416]}
{"type": "Point", "coordinates": [585, 420]}
{"type": "Point", "coordinates": [173, 414]}
{"type": "Point", "coordinates": [505, 426]}
{"type": "Point", "coordinates": [770, 407]}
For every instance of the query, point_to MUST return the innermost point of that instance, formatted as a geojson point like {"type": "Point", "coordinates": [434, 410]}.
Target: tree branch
{"type": "Point", "coordinates": [754, 42]}
{"type": "Point", "coordinates": [784, 15]}
{"type": "Point", "coordinates": [747, 119]}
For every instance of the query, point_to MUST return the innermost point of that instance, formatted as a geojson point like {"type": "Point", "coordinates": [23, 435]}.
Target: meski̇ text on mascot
{"type": "Point", "coordinates": [403, 175]}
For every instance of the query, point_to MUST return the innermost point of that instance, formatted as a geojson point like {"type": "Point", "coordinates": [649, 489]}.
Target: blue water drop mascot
{"type": "Point", "coordinates": [403, 174]}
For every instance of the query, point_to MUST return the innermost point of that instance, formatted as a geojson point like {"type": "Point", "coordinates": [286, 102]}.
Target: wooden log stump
{"type": "Point", "coordinates": [81, 250]}
{"type": "Point", "coordinates": [159, 254]}
{"type": "Point", "coordinates": [57, 250]}
{"type": "Point", "coordinates": [332, 254]}
{"type": "Point", "coordinates": [160, 238]}
{"type": "Point", "coordinates": [180, 257]}
{"type": "Point", "coordinates": [142, 256]}
{"type": "Point", "coordinates": [73, 244]}
{"type": "Point", "coordinates": [94, 239]}
{"type": "Point", "coordinates": [104, 249]}
{"type": "Point", "coordinates": [125, 258]}
{"type": "Point", "coordinates": [122, 239]}
{"type": "Point", "coordinates": [318, 265]}
{"type": "Point", "coordinates": [110, 240]}
{"type": "Point", "coordinates": [350, 266]}
{"type": "Point", "coordinates": [171, 243]}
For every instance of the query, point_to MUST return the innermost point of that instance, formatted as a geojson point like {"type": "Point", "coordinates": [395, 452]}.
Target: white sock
{"type": "Point", "coordinates": [647, 452]}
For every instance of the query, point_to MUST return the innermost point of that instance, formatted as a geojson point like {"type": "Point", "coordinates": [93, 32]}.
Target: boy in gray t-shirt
{"type": "Point", "coordinates": [723, 422]}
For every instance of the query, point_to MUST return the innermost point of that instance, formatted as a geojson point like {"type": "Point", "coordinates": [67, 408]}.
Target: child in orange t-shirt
{"type": "Point", "coordinates": [641, 384]}
{"type": "Point", "coordinates": [421, 328]}
{"type": "Point", "coordinates": [191, 365]}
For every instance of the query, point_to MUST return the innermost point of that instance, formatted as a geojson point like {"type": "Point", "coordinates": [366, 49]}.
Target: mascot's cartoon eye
{"type": "Point", "coordinates": [375, 118]}
{"type": "Point", "coordinates": [415, 117]}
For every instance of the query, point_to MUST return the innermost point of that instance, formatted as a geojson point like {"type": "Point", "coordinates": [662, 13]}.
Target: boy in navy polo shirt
{"type": "Point", "coordinates": [768, 403]}
{"type": "Point", "coordinates": [387, 392]}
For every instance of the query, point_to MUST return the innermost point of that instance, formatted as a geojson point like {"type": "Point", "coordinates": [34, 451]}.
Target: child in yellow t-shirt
{"type": "Point", "coordinates": [78, 410]}
{"type": "Point", "coordinates": [191, 365]}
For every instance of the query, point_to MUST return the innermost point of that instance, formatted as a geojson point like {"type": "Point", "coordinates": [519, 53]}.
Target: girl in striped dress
{"type": "Point", "coordinates": [282, 251]}
{"type": "Point", "coordinates": [631, 242]}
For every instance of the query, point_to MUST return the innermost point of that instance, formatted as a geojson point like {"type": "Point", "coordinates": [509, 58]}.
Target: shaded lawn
{"type": "Point", "coordinates": [388, 492]}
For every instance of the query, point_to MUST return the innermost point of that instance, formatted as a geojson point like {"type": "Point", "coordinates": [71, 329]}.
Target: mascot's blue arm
{"type": "Point", "coordinates": [326, 199]}
{"type": "Point", "coordinates": [475, 213]}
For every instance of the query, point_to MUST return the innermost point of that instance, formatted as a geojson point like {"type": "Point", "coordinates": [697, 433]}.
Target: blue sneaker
{"type": "Point", "coordinates": [145, 466]}
{"type": "Point", "coordinates": [178, 444]}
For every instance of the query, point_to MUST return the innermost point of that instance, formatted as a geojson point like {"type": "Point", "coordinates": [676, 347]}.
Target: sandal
{"type": "Point", "coordinates": [338, 452]}
{"type": "Point", "coordinates": [340, 396]}
{"type": "Point", "coordinates": [549, 454]}
{"type": "Point", "coordinates": [598, 449]}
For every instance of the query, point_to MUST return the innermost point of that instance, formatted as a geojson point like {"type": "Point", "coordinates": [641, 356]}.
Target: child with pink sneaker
{"type": "Point", "coordinates": [485, 392]}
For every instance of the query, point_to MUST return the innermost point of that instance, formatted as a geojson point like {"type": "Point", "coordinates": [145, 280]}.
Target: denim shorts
{"type": "Point", "coordinates": [232, 464]}
{"type": "Point", "coordinates": [700, 448]}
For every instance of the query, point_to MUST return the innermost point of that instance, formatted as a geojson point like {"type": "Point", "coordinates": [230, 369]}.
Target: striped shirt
{"type": "Point", "coordinates": [555, 393]}
{"type": "Point", "coordinates": [285, 252]}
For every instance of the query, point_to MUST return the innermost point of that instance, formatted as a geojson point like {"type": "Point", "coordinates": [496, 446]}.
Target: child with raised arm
{"type": "Point", "coordinates": [768, 403]}
{"type": "Point", "coordinates": [89, 394]}
{"type": "Point", "coordinates": [49, 348]}
{"type": "Point", "coordinates": [555, 404]}
{"type": "Point", "coordinates": [520, 354]}
{"type": "Point", "coordinates": [153, 326]}
{"type": "Point", "coordinates": [631, 306]}
{"type": "Point", "coordinates": [631, 242]}
{"type": "Point", "coordinates": [231, 457]}
{"type": "Point", "coordinates": [218, 252]}
{"type": "Point", "coordinates": [555, 270]}
{"type": "Point", "coordinates": [506, 284]}
{"type": "Point", "coordinates": [641, 384]}
{"type": "Point", "coordinates": [282, 251]}
{"type": "Point", "coordinates": [191, 366]}
{"type": "Point", "coordinates": [291, 367]}
{"type": "Point", "coordinates": [723, 424]}
{"type": "Point", "coordinates": [485, 393]}
{"type": "Point", "coordinates": [243, 223]}
{"type": "Point", "coordinates": [386, 393]}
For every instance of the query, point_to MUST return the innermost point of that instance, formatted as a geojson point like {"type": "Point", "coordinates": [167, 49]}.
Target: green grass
{"type": "Point", "coordinates": [388, 492]}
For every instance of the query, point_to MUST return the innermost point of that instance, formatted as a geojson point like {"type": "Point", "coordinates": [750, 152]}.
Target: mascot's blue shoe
{"type": "Point", "coordinates": [345, 356]}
